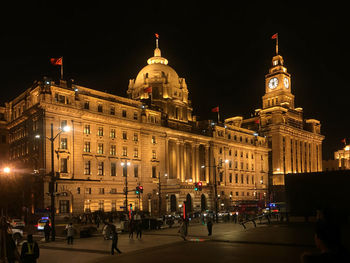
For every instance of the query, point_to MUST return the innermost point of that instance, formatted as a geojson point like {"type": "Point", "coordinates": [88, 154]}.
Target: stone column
{"type": "Point", "coordinates": [193, 160]}
{"type": "Point", "coordinates": [207, 164]}
{"type": "Point", "coordinates": [167, 157]}
{"type": "Point", "coordinates": [178, 160]}
{"type": "Point", "coordinates": [197, 164]}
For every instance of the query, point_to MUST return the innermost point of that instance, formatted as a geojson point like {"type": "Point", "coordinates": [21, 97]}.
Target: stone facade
{"type": "Point", "coordinates": [149, 139]}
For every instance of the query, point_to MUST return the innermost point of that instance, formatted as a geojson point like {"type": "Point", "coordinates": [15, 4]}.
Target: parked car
{"type": "Point", "coordinates": [41, 223]}
{"type": "Point", "coordinates": [17, 235]}
{"type": "Point", "coordinates": [15, 222]}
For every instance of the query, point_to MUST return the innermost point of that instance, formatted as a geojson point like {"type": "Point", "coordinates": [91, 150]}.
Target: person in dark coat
{"type": "Point", "coordinates": [30, 250]}
{"type": "Point", "coordinates": [131, 228]}
{"type": "Point", "coordinates": [115, 241]}
{"type": "Point", "coordinates": [47, 231]}
{"type": "Point", "coordinates": [139, 229]}
{"type": "Point", "coordinates": [209, 226]}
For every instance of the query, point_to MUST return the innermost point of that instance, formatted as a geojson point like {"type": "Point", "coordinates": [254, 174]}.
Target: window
{"type": "Point", "coordinates": [230, 164]}
{"type": "Point", "coordinates": [220, 150]}
{"type": "Point", "coordinates": [154, 172]}
{"type": "Point", "coordinates": [136, 152]}
{"type": "Point", "coordinates": [61, 98]}
{"type": "Point", "coordinates": [230, 178]}
{"type": "Point", "coordinates": [101, 191]}
{"type": "Point", "coordinates": [153, 139]}
{"type": "Point", "coordinates": [100, 131]}
{"type": "Point", "coordinates": [113, 169]}
{"type": "Point", "coordinates": [87, 129]}
{"type": "Point", "coordinates": [113, 150]}
{"type": "Point", "coordinates": [124, 113]}
{"type": "Point", "coordinates": [136, 137]}
{"type": "Point", "coordinates": [64, 206]}
{"type": "Point", "coordinates": [136, 170]}
{"type": "Point", "coordinates": [87, 167]}
{"type": "Point", "coordinates": [135, 115]}
{"type": "Point", "coordinates": [64, 165]}
{"type": "Point", "coordinates": [125, 151]}
{"type": "Point", "coordinates": [88, 191]}
{"type": "Point", "coordinates": [242, 179]}
{"type": "Point", "coordinates": [87, 147]}
{"type": "Point", "coordinates": [114, 205]}
{"type": "Point", "coordinates": [125, 171]}
{"type": "Point", "coordinates": [99, 108]}
{"type": "Point", "coordinates": [247, 179]}
{"type": "Point", "coordinates": [100, 148]}
{"type": "Point", "coordinates": [113, 190]}
{"type": "Point", "coordinates": [154, 154]}
{"type": "Point", "coordinates": [236, 178]}
{"type": "Point", "coordinates": [101, 205]}
{"type": "Point", "coordinates": [100, 168]}
{"type": "Point", "coordinates": [237, 194]}
{"type": "Point", "coordinates": [112, 110]}
{"type": "Point", "coordinates": [125, 135]}
{"type": "Point", "coordinates": [86, 105]}
{"type": "Point", "coordinates": [64, 143]}
{"type": "Point", "coordinates": [221, 176]}
{"type": "Point", "coordinates": [78, 190]}
{"type": "Point", "coordinates": [252, 179]}
{"type": "Point", "coordinates": [64, 124]}
{"type": "Point", "coordinates": [112, 133]}
{"type": "Point", "coordinates": [230, 152]}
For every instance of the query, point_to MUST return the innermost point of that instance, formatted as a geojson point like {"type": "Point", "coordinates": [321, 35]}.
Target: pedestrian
{"type": "Point", "coordinates": [115, 241]}
{"type": "Point", "coordinates": [47, 231]}
{"type": "Point", "coordinates": [30, 250]}
{"type": "Point", "coordinates": [183, 229]}
{"type": "Point", "coordinates": [139, 229]}
{"type": "Point", "coordinates": [209, 226]}
{"type": "Point", "coordinates": [11, 249]}
{"type": "Point", "coordinates": [70, 233]}
{"type": "Point", "coordinates": [327, 240]}
{"type": "Point", "coordinates": [97, 221]}
{"type": "Point", "coordinates": [131, 229]}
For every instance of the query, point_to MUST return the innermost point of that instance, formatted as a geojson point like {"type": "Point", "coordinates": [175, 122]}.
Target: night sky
{"type": "Point", "coordinates": [222, 51]}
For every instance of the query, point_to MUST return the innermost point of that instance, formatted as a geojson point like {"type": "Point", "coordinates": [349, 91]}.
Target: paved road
{"type": "Point", "coordinates": [229, 243]}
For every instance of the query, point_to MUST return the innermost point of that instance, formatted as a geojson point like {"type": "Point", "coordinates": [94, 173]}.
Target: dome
{"type": "Point", "coordinates": [157, 71]}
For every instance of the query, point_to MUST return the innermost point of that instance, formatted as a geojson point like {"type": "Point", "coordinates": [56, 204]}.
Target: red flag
{"type": "Point", "coordinates": [274, 36]}
{"type": "Point", "coordinates": [157, 35]}
{"type": "Point", "coordinates": [56, 61]}
{"type": "Point", "coordinates": [216, 109]}
{"type": "Point", "coordinates": [148, 90]}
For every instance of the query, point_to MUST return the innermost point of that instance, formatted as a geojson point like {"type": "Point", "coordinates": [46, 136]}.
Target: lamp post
{"type": "Point", "coordinates": [217, 167]}
{"type": "Point", "coordinates": [125, 165]}
{"type": "Point", "coordinates": [53, 177]}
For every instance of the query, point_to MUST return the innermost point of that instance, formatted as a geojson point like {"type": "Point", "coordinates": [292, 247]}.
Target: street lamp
{"type": "Point", "coordinates": [215, 187]}
{"type": "Point", "coordinates": [125, 165]}
{"type": "Point", "coordinates": [7, 170]}
{"type": "Point", "coordinates": [53, 177]}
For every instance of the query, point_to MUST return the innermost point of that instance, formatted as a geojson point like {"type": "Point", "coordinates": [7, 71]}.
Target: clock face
{"type": "Point", "coordinates": [286, 83]}
{"type": "Point", "coordinates": [273, 83]}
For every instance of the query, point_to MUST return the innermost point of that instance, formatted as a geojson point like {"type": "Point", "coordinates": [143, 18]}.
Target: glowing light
{"type": "Point", "coordinates": [7, 170]}
{"type": "Point", "coordinates": [66, 128]}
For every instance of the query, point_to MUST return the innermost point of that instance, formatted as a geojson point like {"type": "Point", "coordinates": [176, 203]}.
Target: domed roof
{"type": "Point", "coordinates": [156, 71]}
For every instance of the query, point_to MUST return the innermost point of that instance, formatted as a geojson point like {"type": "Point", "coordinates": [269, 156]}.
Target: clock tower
{"type": "Point", "coordinates": [278, 85]}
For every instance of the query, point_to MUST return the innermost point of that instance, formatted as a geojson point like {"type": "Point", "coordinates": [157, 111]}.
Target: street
{"type": "Point", "coordinates": [229, 243]}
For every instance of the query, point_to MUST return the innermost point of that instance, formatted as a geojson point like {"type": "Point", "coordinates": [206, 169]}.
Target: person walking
{"type": "Point", "coordinates": [131, 229]}
{"type": "Point", "coordinates": [139, 229]}
{"type": "Point", "coordinates": [115, 241]}
{"type": "Point", "coordinates": [70, 233]}
{"type": "Point", "coordinates": [30, 250]}
{"type": "Point", "coordinates": [183, 230]}
{"type": "Point", "coordinates": [47, 231]}
{"type": "Point", "coordinates": [209, 226]}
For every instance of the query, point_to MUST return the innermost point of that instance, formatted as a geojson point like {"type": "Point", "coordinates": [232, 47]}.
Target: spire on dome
{"type": "Point", "coordinates": [157, 58]}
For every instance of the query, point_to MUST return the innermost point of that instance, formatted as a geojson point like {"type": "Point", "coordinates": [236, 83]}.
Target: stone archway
{"type": "Point", "coordinates": [189, 203]}
{"type": "Point", "coordinates": [173, 203]}
{"type": "Point", "coordinates": [203, 203]}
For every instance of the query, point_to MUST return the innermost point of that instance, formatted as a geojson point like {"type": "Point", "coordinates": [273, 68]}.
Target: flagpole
{"type": "Point", "coordinates": [277, 44]}
{"type": "Point", "coordinates": [62, 69]}
{"type": "Point", "coordinates": [218, 117]}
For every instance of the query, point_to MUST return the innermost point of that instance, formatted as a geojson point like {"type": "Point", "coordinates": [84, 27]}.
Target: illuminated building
{"type": "Point", "coordinates": [296, 143]}
{"type": "Point", "coordinates": [150, 137]}
{"type": "Point", "coordinates": [341, 160]}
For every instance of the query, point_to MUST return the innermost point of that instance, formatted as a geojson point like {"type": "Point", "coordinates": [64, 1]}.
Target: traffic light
{"type": "Point", "coordinates": [141, 189]}
{"type": "Point", "coordinates": [199, 185]}
{"type": "Point", "coordinates": [137, 190]}
{"type": "Point", "coordinates": [196, 187]}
